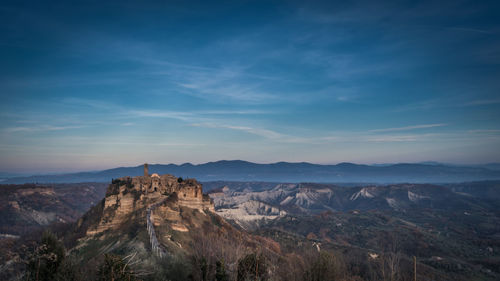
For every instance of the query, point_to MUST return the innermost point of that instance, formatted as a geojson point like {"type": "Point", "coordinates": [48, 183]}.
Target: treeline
{"type": "Point", "coordinates": [219, 258]}
{"type": "Point", "coordinates": [48, 261]}
{"type": "Point", "coordinates": [214, 253]}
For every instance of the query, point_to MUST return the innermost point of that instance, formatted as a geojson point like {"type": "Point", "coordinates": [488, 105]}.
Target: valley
{"type": "Point", "coordinates": [28, 207]}
{"type": "Point", "coordinates": [452, 229]}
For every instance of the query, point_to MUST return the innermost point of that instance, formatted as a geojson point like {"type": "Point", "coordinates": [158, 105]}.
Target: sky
{"type": "Point", "coordinates": [89, 85]}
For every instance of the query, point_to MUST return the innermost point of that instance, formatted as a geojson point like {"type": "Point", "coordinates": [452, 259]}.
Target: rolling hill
{"type": "Point", "coordinates": [237, 170]}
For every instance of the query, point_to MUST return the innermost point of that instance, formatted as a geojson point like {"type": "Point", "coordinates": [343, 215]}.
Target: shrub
{"type": "Point", "coordinates": [220, 271]}
{"type": "Point", "coordinates": [114, 268]}
{"type": "Point", "coordinates": [46, 259]}
{"type": "Point", "coordinates": [252, 267]}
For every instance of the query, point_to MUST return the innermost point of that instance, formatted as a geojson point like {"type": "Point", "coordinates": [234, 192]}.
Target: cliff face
{"type": "Point", "coordinates": [129, 198]}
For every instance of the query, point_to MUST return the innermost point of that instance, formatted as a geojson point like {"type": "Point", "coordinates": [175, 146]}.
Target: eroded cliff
{"type": "Point", "coordinates": [129, 198]}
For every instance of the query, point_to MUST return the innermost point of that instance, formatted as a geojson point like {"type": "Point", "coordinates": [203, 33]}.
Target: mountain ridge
{"type": "Point", "coordinates": [239, 170]}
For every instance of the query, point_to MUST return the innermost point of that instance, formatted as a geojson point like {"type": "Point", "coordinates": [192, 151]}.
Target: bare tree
{"type": "Point", "coordinates": [391, 259]}
{"type": "Point", "coordinates": [216, 247]}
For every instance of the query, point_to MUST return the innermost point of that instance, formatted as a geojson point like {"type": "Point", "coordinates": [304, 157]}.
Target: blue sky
{"type": "Point", "coordinates": [91, 85]}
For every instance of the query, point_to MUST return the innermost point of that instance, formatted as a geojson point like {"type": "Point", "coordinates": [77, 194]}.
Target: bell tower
{"type": "Point", "coordinates": [146, 171]}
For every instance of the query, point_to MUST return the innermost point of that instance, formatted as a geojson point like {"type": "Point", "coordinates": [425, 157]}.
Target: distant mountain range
{"type": "Point", "coordinates": [237, 170]}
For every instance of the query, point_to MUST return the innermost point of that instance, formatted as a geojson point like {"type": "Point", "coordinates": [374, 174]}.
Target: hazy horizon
{"type": "Point", "coordinates": [100, 85]}
{"type": "Point", "coordinates": [97, 169]}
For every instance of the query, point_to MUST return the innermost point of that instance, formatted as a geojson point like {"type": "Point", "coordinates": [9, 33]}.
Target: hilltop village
{"type": "Point", "coordinates": [125, 196]}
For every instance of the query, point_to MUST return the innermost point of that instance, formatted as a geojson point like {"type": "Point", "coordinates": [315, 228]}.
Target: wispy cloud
{"type": "Point", "coordinates": [184, 116]}
{"type": "Point", "coordinates": [40, 128]}
{"type": "Point", "coordinates": [445, 103]}
{"type": "Point", "coordinates": [393, 138]}
{"type": "Point", "coordinates": [234, 70]}
{"type": "Point", "coordinates": [269, 134]}
{"type": "Point", "coordinates": [226, 85]}
{"type": "Point", "coordinates": [236, 112]}
{"type": "Point", "coordinates": [485, 131]}
{"type": "Point", "coordinates": [99, 105]}
{"type": "Point", "coordinates": [337, 137]}
{"type": "Point", "coordinates": [422, 105]}
{"type": "Point", "coordinates": [482, 102]}
{"type": "Point", "coordinates": [468, 29]}
{"type": "Point", "coordinates": [198, 116]}
{"type": "Point", "coordinates": [407, 128]}
{"type": "Point", "coordinates": [231, 83]}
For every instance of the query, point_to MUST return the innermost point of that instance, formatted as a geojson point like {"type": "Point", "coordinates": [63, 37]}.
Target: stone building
{"type": "Point", "coordinates": [129, 194]}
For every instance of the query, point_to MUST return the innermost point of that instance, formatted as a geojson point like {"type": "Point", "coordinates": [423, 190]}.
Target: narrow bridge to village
{"type": "Point", "coordinates": [155, 245]}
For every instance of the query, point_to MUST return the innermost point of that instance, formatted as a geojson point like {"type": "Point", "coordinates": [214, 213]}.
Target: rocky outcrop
{"type": "Point", "coordinates": [152, 217]}
{"type": "Point", "coordinates": [249, 214]}
{"type": "Point", "coordinates": [126, 197]}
